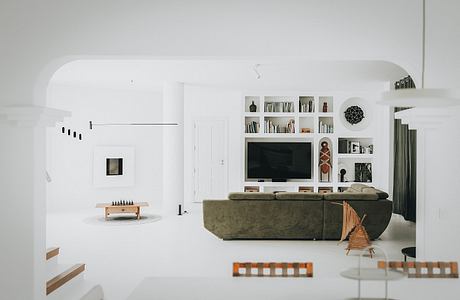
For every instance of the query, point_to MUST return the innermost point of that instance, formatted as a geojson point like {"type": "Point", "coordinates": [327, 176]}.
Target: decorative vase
{"type": "Point", "coordinates": [252, 107]}
{"type": "Point", "coordinates": [325, 107]}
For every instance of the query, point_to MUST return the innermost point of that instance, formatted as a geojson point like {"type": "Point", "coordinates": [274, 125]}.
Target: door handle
{"type": "Point", "coordinates": [221, 162]}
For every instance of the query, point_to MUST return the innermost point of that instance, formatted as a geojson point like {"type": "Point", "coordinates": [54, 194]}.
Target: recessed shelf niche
{"type": "Point", "coordinates": [326, 125]}
{"type": "Point", "coordinates": [249, 100]}
{"type": "Point", "coordinates": [326, 104]}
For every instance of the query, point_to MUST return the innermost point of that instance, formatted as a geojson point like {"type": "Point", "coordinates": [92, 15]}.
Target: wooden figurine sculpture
{"type": "Point", "coordinates": [325, 161]}
{"type": "Point", "coordinates": [353, 228]}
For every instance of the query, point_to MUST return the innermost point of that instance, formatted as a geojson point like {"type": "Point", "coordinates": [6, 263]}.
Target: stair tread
{"type": "Point", "coordinates": [72, 290]}
{"type": "Point", "coordinates": [62, 278]}
{"type": "Point", "coordinates": [52, 252]}
{"type": "Point", "coordinates": [54, 269]}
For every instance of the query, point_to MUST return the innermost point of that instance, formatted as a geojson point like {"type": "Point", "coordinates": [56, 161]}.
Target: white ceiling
{"type": "Point", "coordinates": [294, 75]}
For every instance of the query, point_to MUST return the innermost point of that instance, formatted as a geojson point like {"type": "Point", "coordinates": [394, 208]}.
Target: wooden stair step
{"type": "Point", "coordinates": [59, 280]}
{"type": "Point", "coordinates": [52, 252]}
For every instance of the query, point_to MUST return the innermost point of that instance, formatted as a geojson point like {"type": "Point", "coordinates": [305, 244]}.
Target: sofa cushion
{"type": "Point", "coordinates": [298, 196]}
{"type": "Point", "coordinates": [251, 196]}
{"type": "Point", "coordinates": [380, 194]}
{"type": "Point", "coordinates": [351, 196]}
{"type": "Point", "coordinates": [359, 186]}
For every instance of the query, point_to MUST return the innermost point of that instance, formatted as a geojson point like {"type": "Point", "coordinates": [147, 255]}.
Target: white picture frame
{"type": "Point", "coordinates": [354, 148]}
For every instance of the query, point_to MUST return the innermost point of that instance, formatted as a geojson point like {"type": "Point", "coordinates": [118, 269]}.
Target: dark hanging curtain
{"type": "Point", "coordinates": [405, 162]}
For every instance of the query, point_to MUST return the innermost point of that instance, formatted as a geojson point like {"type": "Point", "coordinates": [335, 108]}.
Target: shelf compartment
{"type": "Point", "coordinates": [251, 189]}
{"type": "Point", "coordinates": [306, 125]}
{"type": "Point", "coordinates": [326, 104]}
{"type": "Point", "coordinates": [326, 125]}
{"type": "Point", "coordinates": [306, 189]}
{"type": "Point", "coordinates": [283, 125]}
{"type": "Point", "coordinates": [248, 100]}
{"type": "Point", "coordinates": [324, 161]}
{"type": "Point", "coordinates": [306, 104]}
{"type": "Point", "coordinates": [356, 146]}
{"type": "Point", "coordinates": [278, 104]}
{"type": "Point", "coordinates": [252, 125]}
{"type": "Point", "coordinates": [325, 189]}
{"type": "Point", "coordinates": [358, 170]}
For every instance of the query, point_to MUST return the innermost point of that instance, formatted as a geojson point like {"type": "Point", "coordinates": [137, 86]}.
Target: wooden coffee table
{"type": "Point", "coordinates": [122, 209]}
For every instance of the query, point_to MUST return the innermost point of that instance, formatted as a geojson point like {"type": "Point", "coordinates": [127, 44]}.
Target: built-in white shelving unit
{"type": "Point", "coordinates": [301, 118]}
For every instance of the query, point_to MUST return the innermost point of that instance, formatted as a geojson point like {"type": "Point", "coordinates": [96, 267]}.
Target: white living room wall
{"type": "Point", "coordinates": [70, 161]}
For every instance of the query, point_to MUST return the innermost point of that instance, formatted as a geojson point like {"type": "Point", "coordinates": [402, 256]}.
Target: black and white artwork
{"type": "Point", "coordinates": [114, 167]}
{"type": "Point", "coordinates": [363, 172]}
{"type": "Point", "coordinates": [354, 114]}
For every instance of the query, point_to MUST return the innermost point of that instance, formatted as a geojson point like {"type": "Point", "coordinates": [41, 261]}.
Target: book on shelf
{"type": "Point", "coordinates": [270, 127]}
{"type": "Point", "coordinates": [285, 107]}
{"type": "Point", "coordinates": [252, 127]}
{"type": "Point", "coordinates": [325, 128]}
{"type": "Point", "coordinates": [306, 107]}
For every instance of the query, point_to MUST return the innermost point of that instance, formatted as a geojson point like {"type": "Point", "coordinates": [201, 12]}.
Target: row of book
{"type": "Point", "coordinates": [252, 127]}
{"type": "Point", "coordinates": [307, 107]}
{"type": "Point", "coordinates": [271, 127]}
{"type": "Point", "coordinates": [405, 83]}
{"type": "Point", "coordinates": [325, 128]}
{"type": "Point", "coordinates": [279, 107]}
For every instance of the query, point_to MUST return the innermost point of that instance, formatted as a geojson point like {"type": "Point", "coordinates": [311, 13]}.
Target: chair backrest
{"type": "Point", "coordinates": [424, 269]}
{"type": "Point", "coordinates": [273, 269]}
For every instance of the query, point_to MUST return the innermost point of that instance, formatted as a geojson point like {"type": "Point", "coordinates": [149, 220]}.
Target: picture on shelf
{"type": "Point", "coordinates": [354, 148]}
{"type": "Point", "coordinates": [363, 172]}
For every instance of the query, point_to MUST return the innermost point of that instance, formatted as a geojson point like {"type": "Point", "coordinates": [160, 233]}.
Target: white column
{"type": "Point", "coordinates": [425, 120]}
{"type": "Point", "coordinates": [22, 182]}
{"type": "Point", "coordinates": [173, 147]}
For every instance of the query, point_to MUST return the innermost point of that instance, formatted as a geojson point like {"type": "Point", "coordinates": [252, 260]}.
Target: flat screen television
{"type": "Point", "coordinates": [280, 160]}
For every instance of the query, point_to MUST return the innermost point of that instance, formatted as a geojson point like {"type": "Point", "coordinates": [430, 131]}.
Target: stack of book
{"type": "Point", "coordinates": [252, 127]}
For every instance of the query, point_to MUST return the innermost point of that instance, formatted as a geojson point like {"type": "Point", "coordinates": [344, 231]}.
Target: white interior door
{"type": "Point", "coordinates": [210, 167]}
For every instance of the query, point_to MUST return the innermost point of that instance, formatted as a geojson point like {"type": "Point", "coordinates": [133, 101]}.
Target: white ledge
{"type": "Point", "coordinates": [31, 116]}
{"type": "Point", "coordinates": [421, 98]}
{"type": "Point", "coordinates": [424, 117]}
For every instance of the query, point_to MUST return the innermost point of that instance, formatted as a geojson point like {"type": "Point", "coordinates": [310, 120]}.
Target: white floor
{"type": "Point", "coordinates": [120, 257]}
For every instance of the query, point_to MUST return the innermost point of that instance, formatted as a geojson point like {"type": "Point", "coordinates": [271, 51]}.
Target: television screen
{"type": "Point", "coordinates": [278, 160]}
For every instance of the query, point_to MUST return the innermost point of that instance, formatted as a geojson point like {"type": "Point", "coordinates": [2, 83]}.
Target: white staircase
{"type": "Point", "coordinates": [67, 281]}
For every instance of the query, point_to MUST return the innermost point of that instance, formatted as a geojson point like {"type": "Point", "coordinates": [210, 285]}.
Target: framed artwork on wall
{"type": "Point", "coordinates": [363, 172]}
{"type": "Point", "coordinates": [354, 147]}
{"type": "Point", "coordinates": [113, 166]}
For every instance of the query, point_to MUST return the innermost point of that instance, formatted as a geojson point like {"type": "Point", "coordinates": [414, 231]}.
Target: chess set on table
{"type": "Point", "coordinates": [122, 203]}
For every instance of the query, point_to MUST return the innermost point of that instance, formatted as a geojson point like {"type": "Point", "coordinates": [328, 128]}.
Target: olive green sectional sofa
{"type": "Point", "coordinates": [294, 216]}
